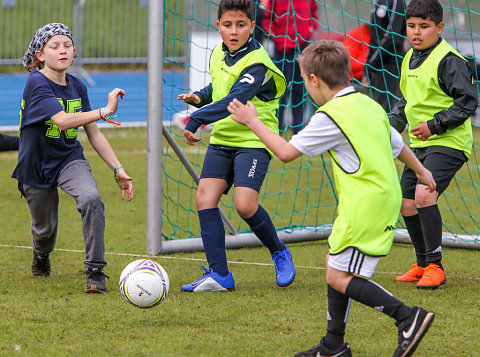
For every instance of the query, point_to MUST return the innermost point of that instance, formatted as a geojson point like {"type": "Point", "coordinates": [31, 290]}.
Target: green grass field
{"type": "Point", "coordinates": [53, 317]}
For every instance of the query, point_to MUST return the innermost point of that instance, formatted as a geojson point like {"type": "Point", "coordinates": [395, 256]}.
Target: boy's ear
{"type": "Point", "coordinates": [314, 79]}
{"type": "Point", "coordinates": [39, 55]}
{"type": "Point", "coordinates": [440, 27]}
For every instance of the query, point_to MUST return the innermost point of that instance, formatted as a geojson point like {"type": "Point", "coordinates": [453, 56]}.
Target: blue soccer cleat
{"type": "Point", "coordinates": [211, 281]}
{"type": "Point", "coordinates": [284, 268]}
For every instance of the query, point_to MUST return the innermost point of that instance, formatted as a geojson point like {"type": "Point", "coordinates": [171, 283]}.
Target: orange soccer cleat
{"type": "Point", "coordinates": [433, 277]}
{"type": "Point", "coordinates": [414, 274]}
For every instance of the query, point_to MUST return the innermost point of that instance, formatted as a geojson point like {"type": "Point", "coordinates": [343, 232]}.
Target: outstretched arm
{"type": "Point", "coordinates": [198, 98]}
{"type": "Point", "coordinates": [408, 158]}
{"type": "Point", "coordinates": [247, 115]}
{"type": "Point", "coordinates": [67, 121]}
{"type": "Point", "coordinates": [189, 98]}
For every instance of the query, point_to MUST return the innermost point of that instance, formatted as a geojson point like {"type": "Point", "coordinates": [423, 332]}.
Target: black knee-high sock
{"type": "Point", "coordinates": [213, 238]}
{"type": "Point", "coordinates": [261, 224]}
{"type": "Point", "coordinates": [338, 309]}
{"type": "Point", "coordinates": [432, 233]}
{"type": "Point", "coordinates": [371, 294]}
{"type": "Point", "coordinates": [414, 228]}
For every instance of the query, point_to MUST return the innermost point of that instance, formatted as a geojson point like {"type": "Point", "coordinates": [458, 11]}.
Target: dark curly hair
{"type": "Point", "coordinates": [425, 9]}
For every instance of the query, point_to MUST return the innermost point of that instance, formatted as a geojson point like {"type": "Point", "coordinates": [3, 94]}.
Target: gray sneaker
{"type": "Point", "coordinates": [95, 281]}
{"type": "Point", "coordinates": [40, 265]}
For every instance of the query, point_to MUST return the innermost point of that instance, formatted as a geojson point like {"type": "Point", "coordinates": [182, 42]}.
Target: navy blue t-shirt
{"type": "Point", "coordinates": [45, 149]}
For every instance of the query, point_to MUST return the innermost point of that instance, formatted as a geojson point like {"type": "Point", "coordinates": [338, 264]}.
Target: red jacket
{"type": "Point", "coordinates": [290, 21]}
{"type": "Point", "coordinates": [357, 43]}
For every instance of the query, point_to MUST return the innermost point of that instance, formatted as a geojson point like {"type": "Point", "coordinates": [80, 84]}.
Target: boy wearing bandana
{"type": "Point", "coordinates": [54, 105]}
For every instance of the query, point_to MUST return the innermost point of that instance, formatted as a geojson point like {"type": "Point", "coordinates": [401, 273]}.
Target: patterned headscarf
{"type": "Point", "coordinates": [41, 37]}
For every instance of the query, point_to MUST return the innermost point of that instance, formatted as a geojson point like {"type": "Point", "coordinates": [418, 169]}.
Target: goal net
{"type": "Point", "coordinates": [300, 196]}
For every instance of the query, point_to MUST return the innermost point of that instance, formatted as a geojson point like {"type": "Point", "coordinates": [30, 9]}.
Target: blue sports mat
{"type": "Point", "coordinates": [133, 108]}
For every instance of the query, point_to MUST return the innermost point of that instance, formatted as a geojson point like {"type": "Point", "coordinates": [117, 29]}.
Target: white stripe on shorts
{"type": "Point", "coordinates": [354, 261]}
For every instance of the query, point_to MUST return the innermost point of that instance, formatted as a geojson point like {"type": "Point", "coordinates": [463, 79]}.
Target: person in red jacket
{"type": "Point", "coordinates": [290, 24]}
{"type": "Point", "coordinates": [357, 42]}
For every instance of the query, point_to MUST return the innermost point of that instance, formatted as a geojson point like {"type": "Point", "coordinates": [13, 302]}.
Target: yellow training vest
{"type": "Point", "coordinates": [424, 98]}
{"type": "Point", "coordinates": [370, 198]}
{"type": "Point", "coordinates": [226, 131]}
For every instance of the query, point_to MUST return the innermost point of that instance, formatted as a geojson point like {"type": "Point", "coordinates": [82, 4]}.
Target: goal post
{"type": "Point", "coordinates": [154, 126]}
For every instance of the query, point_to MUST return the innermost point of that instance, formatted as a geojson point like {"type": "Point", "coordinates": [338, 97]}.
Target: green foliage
{"type": "Point", "coordinates": [54, 317]}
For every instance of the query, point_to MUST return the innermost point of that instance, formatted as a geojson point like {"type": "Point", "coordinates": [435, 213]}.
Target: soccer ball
{"type": "Point", "coordinates": [144, 283]}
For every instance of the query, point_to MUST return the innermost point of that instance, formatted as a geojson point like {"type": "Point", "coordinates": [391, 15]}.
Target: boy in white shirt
{"type": "Point", "coordinates": [368, 187]}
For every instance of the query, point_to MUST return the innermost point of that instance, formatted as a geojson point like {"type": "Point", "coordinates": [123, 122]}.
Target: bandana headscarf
{"type": "Point", "coordinates": [41, 37]}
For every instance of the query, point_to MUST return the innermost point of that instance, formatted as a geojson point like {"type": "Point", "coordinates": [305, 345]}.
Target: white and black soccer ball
{"type": "Point", "coordinates": [144, 283]}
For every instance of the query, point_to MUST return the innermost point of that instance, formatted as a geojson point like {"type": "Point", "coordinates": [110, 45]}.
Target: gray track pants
{"type": "Point", "coordinates": [76, 180]}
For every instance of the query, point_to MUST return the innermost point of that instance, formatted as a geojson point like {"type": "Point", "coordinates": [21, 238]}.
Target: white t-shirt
{"type": "Point", "coordinates": [322, 134]}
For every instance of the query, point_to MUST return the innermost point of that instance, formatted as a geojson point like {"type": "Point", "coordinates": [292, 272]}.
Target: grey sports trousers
{"type": "Point", "coordinates": [76, 179]}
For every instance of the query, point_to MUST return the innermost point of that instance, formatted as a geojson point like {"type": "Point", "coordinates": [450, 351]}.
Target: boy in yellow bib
{"type": "Point", "coordinates": [240, 68]}
{"type": "Point", "coordinates": [355, 131]}
{"type": "Point", "coordinates": [439, 98]}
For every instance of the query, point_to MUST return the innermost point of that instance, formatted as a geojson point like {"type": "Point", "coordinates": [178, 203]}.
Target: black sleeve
{"type": "Point", "coordinates": [248, 85]}
{"type": "Point", "coordinates": [205, 95]}
{"type": "Point", "coordinates": [8, 142]}
{"type": "Point", "coordinates": [455, 79]}
{"type": "Point", "coordinates": [397, 117]}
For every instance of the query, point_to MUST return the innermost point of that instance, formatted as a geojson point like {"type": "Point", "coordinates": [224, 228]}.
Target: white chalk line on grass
{"type": "Point", "coordinates": [197, 259]}
{"type": "Point", "coordinates": [155, 256]}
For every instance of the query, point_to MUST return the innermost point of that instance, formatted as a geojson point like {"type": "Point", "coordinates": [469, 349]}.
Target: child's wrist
{"type": "Point", "coordinates": [115, 170]}
{"type": "Point", "coordinates": [104, 114]}
{"type": "Point", "coordinates": [108, 111]}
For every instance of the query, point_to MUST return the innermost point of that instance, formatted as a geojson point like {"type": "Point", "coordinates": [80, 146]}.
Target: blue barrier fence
{"type": "Point", "coordinates": [132, 109]}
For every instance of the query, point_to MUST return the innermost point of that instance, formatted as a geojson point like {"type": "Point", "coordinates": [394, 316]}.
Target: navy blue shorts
{"type": "Point", "coordinates": [443, 168]}
{"type": "Point", "coordinates": [243, 167]}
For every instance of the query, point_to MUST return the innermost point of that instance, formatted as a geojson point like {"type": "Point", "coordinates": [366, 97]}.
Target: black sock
{"type": "Point", "coordinates": [261, 224]}
{"type": "Point", "coordinates": [414, 228]}
{"type": "Point", "coordinates": [432, 233]}
{"type": "Point", "coordinates": [371, 294]}
{"type": "Point", "coordinates": [213, 238]}
{"type": "Point", "coordinates": [338, 309]}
